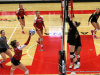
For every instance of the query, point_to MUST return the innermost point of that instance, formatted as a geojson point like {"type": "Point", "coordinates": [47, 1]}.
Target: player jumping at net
{"type": "Point", "coordinates": [20, 15]}
{"type": "Point", "coordinates": [15, 60]}
{"type": "Point", "coordinates": [72, 40]}
{"type": "Point", "coordinates": [39, 24]}
{"type": "Point", "coordinates": [94, 17]}
{"type": "Point", "coordinates": [4, 48]}
{"type": "Point", "coordinates": [78, 47]}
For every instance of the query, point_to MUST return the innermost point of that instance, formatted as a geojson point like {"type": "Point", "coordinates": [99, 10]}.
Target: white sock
{"type": "Point", "coordinates": [22, 29]}
{"type": "Point", "coordinates": [41, 46]}
{"type": "Point", "coordinates": [78, 63]}
{"type": "Point", "coordinates": [94, 34]}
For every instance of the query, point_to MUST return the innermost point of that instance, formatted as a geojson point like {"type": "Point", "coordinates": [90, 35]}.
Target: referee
{"type": "Point", "coordinates": [4, 48]}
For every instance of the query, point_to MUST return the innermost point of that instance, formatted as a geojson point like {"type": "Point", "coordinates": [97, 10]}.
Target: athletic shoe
{"type": "Point", "coordinates": [42, 49]}
{"type": "Point", "coordinates": [71, 65]}
{"type": "Point", "coordinates": [11, 73]}
{"type": "Point", "coordinates": [38, 42]}
{"type": "Point", "coordinates": [23, 32]}
{"type": "Point", "coordinates": [95, 37]}
{"type": "Point", "coordinates": [1, 65]}
{"type": "Point", "coordinates": [91, 32]}
{"type": "Point", "coordinates": [76, 66]}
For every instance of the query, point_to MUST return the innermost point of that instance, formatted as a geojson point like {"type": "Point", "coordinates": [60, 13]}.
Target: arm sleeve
{"type": "Point", "coordinates": [27, 42]}
{"type": "Point", "coordinates": [35, 23]}
{"type": "Point", "coordinates": [24, 12]}
{"type": "Point", "coordinates": [21, 47]}
{"type": "Point", "coordinates": [70, 22]}
{"type": "Point", "coordinates": [43, 22]}
{"type": "Point", "coordinates": [5, 44]}
{"type": "Point", "coordinates": [17, 12]}
{"type": "Point", "coordinates": [90, 17]}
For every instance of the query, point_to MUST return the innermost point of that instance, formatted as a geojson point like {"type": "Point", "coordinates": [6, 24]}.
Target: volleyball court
{"type": "Point", "coordinates": [37, 62]}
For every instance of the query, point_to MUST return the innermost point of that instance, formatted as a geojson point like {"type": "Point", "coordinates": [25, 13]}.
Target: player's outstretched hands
{"type": "Point", "coordinates": [30, 34]}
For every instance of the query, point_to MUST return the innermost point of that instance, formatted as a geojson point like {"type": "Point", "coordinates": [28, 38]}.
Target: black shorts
{"type": "Point", "coordinates": [72, 42]}
{"type": "Point", "coordinates": [14, 61]}
{"type": "Point", "coordinates": [94, 21]}
{"type": "Point", "coordinates": [21, 18]}
{"type": "Point", "coordinates": [78, 42]}
{"type": "Point", "coordinates": [3, 50]}
{"type": "Point", "coordinates": [40, 30]}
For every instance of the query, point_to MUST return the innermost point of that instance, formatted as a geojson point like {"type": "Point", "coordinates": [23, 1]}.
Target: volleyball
{"type": "Point", "coordinates": [32, 31]}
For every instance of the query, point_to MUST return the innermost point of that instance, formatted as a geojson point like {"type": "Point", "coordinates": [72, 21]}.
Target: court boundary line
{"type": "Point", "coordinates": [34, 54]}
{"type": "Point", "coordinates": [29, 49]}
{"type": "Point", "coordinates": [12, 33]}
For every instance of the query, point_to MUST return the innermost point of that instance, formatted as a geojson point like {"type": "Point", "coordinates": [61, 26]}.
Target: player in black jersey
{"type": "Point", "coordinates": [78, 47]}
{"type": "Point", "coordinates": [94, 17]}
{"type": "Point", "coordinates": [72, 40]}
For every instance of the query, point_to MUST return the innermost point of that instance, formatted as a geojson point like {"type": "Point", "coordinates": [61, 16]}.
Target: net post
{"type": "Point", "coordinates": [62, 63]}
{"type": "Point", "coordinates": [62, 60]}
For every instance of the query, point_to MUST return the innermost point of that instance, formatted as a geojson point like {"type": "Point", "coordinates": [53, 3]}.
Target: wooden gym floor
{"type": "Point", "coordinates": [46, 63]}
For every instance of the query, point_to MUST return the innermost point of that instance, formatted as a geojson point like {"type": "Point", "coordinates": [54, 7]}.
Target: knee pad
{"type": "Point", "coordinates": [72, 55]}
{"type": "Point", "coordinates": [41, 39]}
{"type": "Point", "coordinates": [12, 69]}
{"type": "Point", "coordinates": [22, 25]}
{"type": "Point", "coordinates": [78, 56]}
{"type": "Point", "coordinates": [27, 72]}
{"type": "Point", "coordinates": [96, 29]}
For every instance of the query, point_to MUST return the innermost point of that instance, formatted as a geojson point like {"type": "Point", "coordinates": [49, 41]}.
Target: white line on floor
{"type": "Point", "coordinates": [29, 49]}
{"type": "Point", "coordinates": [12, 33]}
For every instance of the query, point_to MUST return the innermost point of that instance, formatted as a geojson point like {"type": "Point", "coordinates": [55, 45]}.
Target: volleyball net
{"type": "Point", "coordinates": [62, 60]}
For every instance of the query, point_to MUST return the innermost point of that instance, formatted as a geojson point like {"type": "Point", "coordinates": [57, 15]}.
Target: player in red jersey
{"type": "Point", "coordinates": [17, 56]}
{"type": "Point", "coordinates": [20, 15]}
{"type": "Point", "coordinates": [39, 24]}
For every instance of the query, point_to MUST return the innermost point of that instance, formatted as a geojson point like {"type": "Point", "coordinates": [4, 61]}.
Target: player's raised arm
{"type": "Point", "coordinates": [27, 42]}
